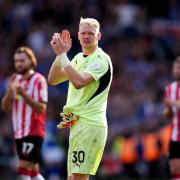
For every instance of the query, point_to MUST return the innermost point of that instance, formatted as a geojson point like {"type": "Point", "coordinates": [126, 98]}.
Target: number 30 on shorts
{"type": "Point", "coordinates": [78, 156]}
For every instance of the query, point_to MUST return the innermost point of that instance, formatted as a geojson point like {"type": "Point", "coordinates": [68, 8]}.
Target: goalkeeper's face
{"type": "Point", "coordinates": [88, 36]}
{"type": "Point", "coordinates": [176, 71]}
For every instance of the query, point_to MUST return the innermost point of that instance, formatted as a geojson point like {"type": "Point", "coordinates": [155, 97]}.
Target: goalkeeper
{"type": "Point", "coordinates": [89, 75]}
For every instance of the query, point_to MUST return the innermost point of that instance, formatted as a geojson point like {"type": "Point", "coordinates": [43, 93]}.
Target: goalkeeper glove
{"type": "Point", "coordinates": [67, 120]}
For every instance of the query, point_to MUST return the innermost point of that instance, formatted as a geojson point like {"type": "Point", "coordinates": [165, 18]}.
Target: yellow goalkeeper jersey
{"type": "Point", "coordinates": [90, 102]}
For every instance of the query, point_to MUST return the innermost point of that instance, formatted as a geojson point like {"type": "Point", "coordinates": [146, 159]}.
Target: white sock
{"type": "Point", "coordinates": [24, 177]}
{"type": "Point", "coordinates": [37, 177]}
{"type": "Point", "coordinates": [176, 179]}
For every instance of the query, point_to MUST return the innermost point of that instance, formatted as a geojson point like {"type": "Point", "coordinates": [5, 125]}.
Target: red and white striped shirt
{"type": "Point", "coordinates": [173, 92]}
{"type": "Point", "coordinates": [26, 121]}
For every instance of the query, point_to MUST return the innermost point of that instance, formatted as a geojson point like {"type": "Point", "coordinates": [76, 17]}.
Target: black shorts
{"type": "Point", "coordinates": [174, 150]}
{"type": "Point", "coordinates": [29, 148]}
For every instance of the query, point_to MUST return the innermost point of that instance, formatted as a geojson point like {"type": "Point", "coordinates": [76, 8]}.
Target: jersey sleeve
{"type": "Point", "coordinates": [42, 90]}
{"type": "Point", "coordinates": [97, 67]}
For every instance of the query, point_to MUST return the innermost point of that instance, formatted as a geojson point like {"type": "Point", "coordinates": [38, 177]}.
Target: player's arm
{"type": "Point", "coordinates": [173, 103]}
{"type": "Point", "coordinates": [79, 80]}
{"type": "Point", "coordinates": [61, 43]}
{"type": "Point", "coordinates": [7, 100]}
{"type": "Point", "coordinates": [56, 73]}
{"type": "Point", "coordinates": [176, 103]}
{"type": "Point", "coordinates": [168, 113]}
{"type": "Point", "coordinates": [169, 103]}
{"type": "Point", "coordinates": [36, 105]}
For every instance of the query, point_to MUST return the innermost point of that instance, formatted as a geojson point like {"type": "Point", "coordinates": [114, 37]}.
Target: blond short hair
{"type": "Point", "coordinates": [90, 21]}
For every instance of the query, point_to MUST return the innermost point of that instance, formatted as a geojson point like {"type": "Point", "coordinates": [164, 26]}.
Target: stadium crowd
{"type": "Point", "coordinates": [142, 38]}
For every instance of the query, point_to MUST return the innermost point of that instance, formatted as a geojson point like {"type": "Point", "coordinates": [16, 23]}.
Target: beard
{"type": "Point", "coordinates": [23, 71]}
{"type": "Point", "coordinates": [177, 78]}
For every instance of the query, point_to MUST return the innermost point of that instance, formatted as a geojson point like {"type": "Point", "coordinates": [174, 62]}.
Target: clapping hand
{"type": "Point", "coordinates": [19, 89]}
{"type": "Point", "coordinates": [168, 102]}
{"type": "Point", "coordinates": [11, 82]}
{"type": "Point", "coordinates": [61, 42]}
